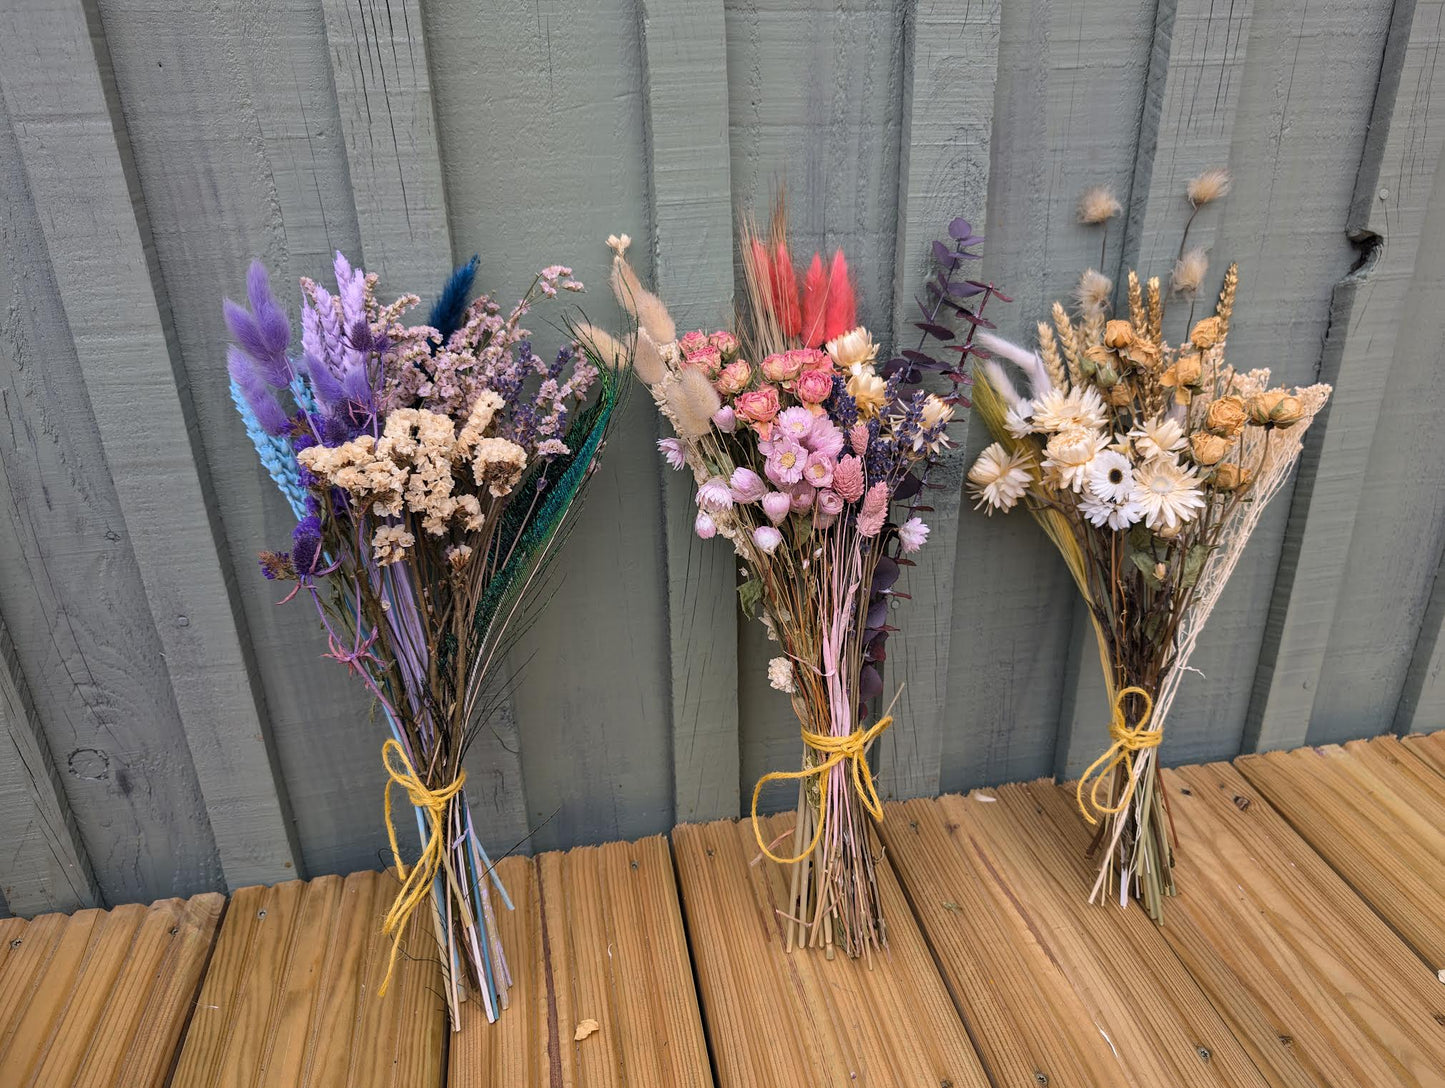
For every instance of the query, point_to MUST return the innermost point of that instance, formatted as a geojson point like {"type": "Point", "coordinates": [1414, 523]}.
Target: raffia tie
{"type": "Point", "coordinates": [854, 748]}
{"type": "Point", "coordinates": [416, 885]}
{"type": "Point", "coordinates": [1127, 741]}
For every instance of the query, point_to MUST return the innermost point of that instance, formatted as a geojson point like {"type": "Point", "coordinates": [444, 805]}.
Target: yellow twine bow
{"type": "Point", "coordinates": [852, 747]}
{"type": "Point", "coordinates": [417, 884]}
{"type": "Point", "coordinates": [1127, 739]}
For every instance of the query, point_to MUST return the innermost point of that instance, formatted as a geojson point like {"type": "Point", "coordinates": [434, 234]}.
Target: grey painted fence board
{"type": "Point", "coordinates": [62, 123]}
{"type": "Point", "coordinates": [1187, 122]}
{"type": "Point", "coordinates": [949, 74]}
{"type": "Point", "coordinates": [1422, 702]}
{"type": "Point", "coordinates": [45, 866]}
{"type": "Point", "coordinates": [70, 588]}
{"type": "Point", "coordinates": [685, 52]}
{"type": "Point", "coordinates": [1315, 597]}
{"type": "Point", "coordinates": [546, 153]}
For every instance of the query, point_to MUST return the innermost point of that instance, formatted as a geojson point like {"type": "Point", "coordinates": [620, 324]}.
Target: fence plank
{"type": "Point", "coordinates": [949, 74]}
{"type": "Point", "coordinates": [53, 91]}
{"type": "Point", "coordinates": [1195, 74]}
{"type": "Point", "coordinates": [1329, 629]}
{"type": "Point", "coordinates": [1071, 77]}
{"type": "Point", "coordinates": [46, 866]}
{"type": "Point", "coordinates": [1422, 702]}
{"type": "Point", "coordinates": [685, 52]}
{"type": "Point", "coordinates": [541, 125]}
{"type": "Point", "coordinates": [71, 591]}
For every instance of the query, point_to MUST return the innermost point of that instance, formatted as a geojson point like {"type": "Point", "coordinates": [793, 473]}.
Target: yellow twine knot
{"type": "Point", "coordinates": [853, 747]}
{"type": "Point", "coordinates": [1127, 739]}
{"type": "Point", "coordinates": [416, 885]}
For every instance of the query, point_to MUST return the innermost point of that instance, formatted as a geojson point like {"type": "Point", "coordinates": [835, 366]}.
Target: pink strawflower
{"type": "Point", "coordinates": [858, 438]}
{"type": "Point", "coordinates": [672, 449]}
{"type": "Point", "coordinates": [691, 342]}
{"type": "Point", "coordinates": [848, 478]}
{"type": "Point", "coordinates": [814, 386]}
{"type": "Point", "coordinates": [875, 510]}
{"type": "Point", "coordinates": [747, 486]}
{"type": "Point", "coordinates": [734, 378]}
{"type": "Point", "coordinates": [758, 407]}
{"type": "Point", "coordinates": [912, 534]}
{"type": "Point", "coordinates": [830, 502]}
{"type": "Point", "coordinates": [767, 539]}
{"type": "Point", "coordinates": [800, 497]}
{"type": "Point", "coordinates": [795, 423]}
{"type": "Point", "coordinates": [782, 367]}
{"type": "Point", "coordinates": [825, 438]}
{"type": "Point", "coordinates": [714, 495]}
{"type": "Point", "coordinates": [725, 419]}
{"type": "Point", "coordinates": [725, 342]}
{"type": "Point", "coordinates": [777, 506]}
{"type": "Point", "coordinates": [819, 470]}
{"type": "Point", "coordinates": [704, 526]}
{"type": "Point", "coordinates": [785, 462]}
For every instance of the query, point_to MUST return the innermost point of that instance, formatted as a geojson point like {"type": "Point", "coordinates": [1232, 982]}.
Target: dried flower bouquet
{"type": "Point", "coordinates": [434, 470]}
{"type": "Point", "coordinates": [810, 458]}
{"type": "Point", "coordinates": [1148, 464]}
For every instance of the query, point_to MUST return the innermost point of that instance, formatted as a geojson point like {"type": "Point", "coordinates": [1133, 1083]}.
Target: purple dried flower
{"type": "Point", "coordinates": [306, 545]}
{"type": "Point", "coordinates": [263, 332]}
{"type": "Point", "coordinates": [259, 396]}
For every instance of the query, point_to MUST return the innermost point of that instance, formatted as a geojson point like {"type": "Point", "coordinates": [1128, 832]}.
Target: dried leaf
{"type": "Point", "coordinates": [584, 1029]}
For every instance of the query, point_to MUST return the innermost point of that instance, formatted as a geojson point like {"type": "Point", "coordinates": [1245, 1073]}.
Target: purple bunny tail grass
{"type": "Point", "coordinates": [259, 396]}
{"type": "Point", "coordinates": [272, 325]}
{"type": "Point", "coordinates": [324, 382]}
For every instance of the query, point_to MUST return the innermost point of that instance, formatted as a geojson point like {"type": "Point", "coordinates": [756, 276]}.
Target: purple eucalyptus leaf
{"type": "Point", "coordinates": [960, 228]}
{"type": "Point", "coordinates": [885, 574]}
{"type": "Point", "coordinates": [870, 684]}
{"type": "Point", "coordinates": [907, 487]}
{"type": "Point", "coordinates": [917, 356]}
{"type": "Point", "coordinates": [938, 332]}
{"type": "Point", "coordinates": [944, 256]}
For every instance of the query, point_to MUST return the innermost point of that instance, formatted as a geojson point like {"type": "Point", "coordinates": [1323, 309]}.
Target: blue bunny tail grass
{"type": "Point", "coordinates": [451, 304]}
{"type": "Point", "coordinates": [276, 455]}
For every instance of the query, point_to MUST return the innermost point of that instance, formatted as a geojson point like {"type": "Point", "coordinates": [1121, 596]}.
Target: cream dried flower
{"type": "Point", "coordinates": [854, 347]}
{"type": "Point", "coordinates": [998, 479]}
{"type": "Point", "coordinates": [690, 400]}
{"type": "Point", "coordinates": [1189, 271]}
{"type": "Point", "coordinates": [1069, 456]}
{"type": "Point", "coordinates": [1213, 184]}
{"type": "Point", "coordinates": [498, 464]}
{"type": "Point", "coordinates": [868, 389]}
{"type": "Point", "coordinates": [1110, 477]}
{"type": "Point", "coordinates": [780, 675]}
{"type": "Point", "coordinates": [1158, 437]}
{"type": "Point", "coordinates": [1168, 494]}
{"type": "Point", "coordinates": [389, 544]}
{"type": "Point", "coordinates": [1098, 205]}
{"type": "Point", "coordinates": [1059, 411]}
{"type": "Point", "coordinates": [1116, 515]}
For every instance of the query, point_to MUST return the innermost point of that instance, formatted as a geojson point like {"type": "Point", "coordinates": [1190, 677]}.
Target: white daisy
{"type": "Point", "coordinates": [999, 478]}
{"type": "Point", "coordinates": [1116, 515]}
{"type": "Point", "coordinates": [1017, 419]}
{"type": "Point", "coordinates": [1069, 455]}
{"type": "Point", "coordinates": [1110, 477]}
{"type": "Point", "coordinates": [1168, 494]}
{"type": "Point", "coordinates": [1059, 411]}
{"type": "Point", "coordinates": [1158, 437]}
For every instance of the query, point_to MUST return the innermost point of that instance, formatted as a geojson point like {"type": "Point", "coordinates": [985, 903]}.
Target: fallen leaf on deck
{"type": "Point", "coordinates": [584, 1029]}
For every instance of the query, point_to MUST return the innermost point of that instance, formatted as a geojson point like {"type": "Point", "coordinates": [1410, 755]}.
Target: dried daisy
{"type": "Point", "coordinates": [1189, 271]}
{"type": "Point", "coordinates": [1209, 186]}
{"type": "Point", "coordinates": [1098, 205]}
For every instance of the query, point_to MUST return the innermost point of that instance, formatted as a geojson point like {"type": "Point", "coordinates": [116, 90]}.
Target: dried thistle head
{"type": "Point", "coordinates": [1093, 293]}
{"type": "Point", "coordinates": [1098, 205]}
{"type": "Point", "coordinates": [1189, 271]}
{"type": "Point", "coordinates": [1209, 186]}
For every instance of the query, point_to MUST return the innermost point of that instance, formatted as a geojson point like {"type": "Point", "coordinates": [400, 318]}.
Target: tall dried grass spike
{"type": "Point", "coordinates": [1071, 346]}
{"type": "Point", "coordinates": [1053, 362]}
{"type": "Point", "coordinates": [1226, 299]}
{"type": "Point", "coordinates": [1137, 315]}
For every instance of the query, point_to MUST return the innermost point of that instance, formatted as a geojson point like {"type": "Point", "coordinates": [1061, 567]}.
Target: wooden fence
{"type": "Point", "coordinates": [175, 731]}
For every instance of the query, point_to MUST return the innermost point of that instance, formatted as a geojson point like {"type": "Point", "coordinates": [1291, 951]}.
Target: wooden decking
{"type": "Point", "coordinates": [1303, 951]}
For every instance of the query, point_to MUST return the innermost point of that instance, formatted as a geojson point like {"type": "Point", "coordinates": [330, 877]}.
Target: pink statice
{"type": "Point", "coordinates": [912, 534]}
{"type": "Point", "coordinates": [875, 510]}
{"type": "Point", "coordinates": [671, 448]}
{"type": "Point", "coordinates": [767, 539]}
{"type": "Point", "coordinates": [785, 462]}
{"type": "Point", "coordinates": [777, 506]}
{"type": "Point", "coordinates": [714, 495]}
{"type": "Point", "coordinates": [818, 472]}
{"type": "Point", "coordinates": [747, 486]}
{"type": "Point", "coordinates": [848, 478]}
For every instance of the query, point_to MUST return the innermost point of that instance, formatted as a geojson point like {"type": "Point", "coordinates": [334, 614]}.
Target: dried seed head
{"type": "Point", "coordinates": [1098, 205]}
{"type": "Point", "coordinates": [1189, 272]}
{"type": "Point", "coordinates": [1093, 293]}
{"type": "Point", "coordinates": [1211, 185]}
{"type": "Point", "coordinates": [607, 349]}
{"type": "Point", "coordinates": [641, 303]}
{"type": "Point", "coordinates": [647, 362]}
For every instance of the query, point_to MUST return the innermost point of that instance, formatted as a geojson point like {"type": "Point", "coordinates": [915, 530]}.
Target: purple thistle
{"type": "Point", "coordinates": [306, 545]}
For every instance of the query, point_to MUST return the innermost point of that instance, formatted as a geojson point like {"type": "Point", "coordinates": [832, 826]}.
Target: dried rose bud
{"type": "Point", "coordinates": [1160, 570]}
{"type": "Point", "coordinates": [1095, 356]}
{"type": "Point", "coordinates": [1188, 368]}
{"type": "Point", "coordinates": [1230, 477]}
{"type": "Point", "coordinates": [1120, 395]}
{"type": "Point", "coordinates": [1106, 376]}
{"type": "Point", "coordinates": [1287, 412]}
{"type": "Point", "coordinates": [1118, 333]}
{"type": "Point", "coordinates": [1208, 449]}
{"type": "Point", "coordinates": [1206, 333]}
{"type": "Point", "coordinates": [1261, 406]}
{"type": "Point", "coordinates": [1226, 416]}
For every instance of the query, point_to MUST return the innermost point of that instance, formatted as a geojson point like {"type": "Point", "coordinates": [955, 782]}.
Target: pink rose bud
{"type": "Point", "coordinates": [814, 386]}
{"type": "Point", "coordinates": [704, 526]}
{"type": "Point", "coordinates": [692, 341]}
{"type": "Point", "coordinates": [777, 506]}
{"type": "Point", "coordinates": [813, 359]}
{"type": "Point", "coordinates": [747, 486]}
{"type": "Point", "coordinates": [800, 497]}
{"type": "Point", "coordinates": [830, 502]}
{"type": "Point", "coordinates": [725, 342]}
{"type": "Point", "coordinates": [758, 405]}
{"type": "Point", "coordinates": [725, 419]}
{"type": "Point", "coordinates": [706, 358]}
{"type": "Point", "coordinates": [734, 378]}
{"type": "Point", "coordinates": [782, 367]}
{"type": "Point", "coordinates": [767, 539]}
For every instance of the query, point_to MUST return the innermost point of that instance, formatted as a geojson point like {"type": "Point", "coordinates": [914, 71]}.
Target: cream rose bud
{"type": "Point", "coordinates": [1118, 334]}
{"type": "Point", "coordinates": [782, 366]}
{"type": "Point", "coordinates": [734, 378]}
{"type": "Point", "coordinates": [853, 347]}
{"type": "Point", "coordinates": [1206, 333]}
{"type": "Point", "coordinates": [1287, 412]}
{"type": "Point", "coordinates": [1208, 449]}
{"type": "Point", "coordinates": [1230, 477]}
{"type": "Point", "coordinates": [1261, 406]}
{"type": "Point", "coordinates": [1226, 416]}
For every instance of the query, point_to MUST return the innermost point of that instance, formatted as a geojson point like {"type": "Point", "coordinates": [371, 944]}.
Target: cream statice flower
{"type": "Point", "coordinates": [1110, 477]}
{"type": "Point", "coordinates": [389, 544]}
{"type": "Point", "coordinates": [854, 347]}
{"type": "Point", "coordinates": [1057, 411]}
{"type": "Point", "coordinates": [1116, 515]}
{"type": "Point", "coordinates": [1070, 454]}
{"type": "Point", "coordinates": [1167, 494]}
{"type": "Point", "coordinates": [998, 479]}
{"type": "Point", "coordinates": [1158, 437]}
{"type": "Point", "coordinates": [780, 675]}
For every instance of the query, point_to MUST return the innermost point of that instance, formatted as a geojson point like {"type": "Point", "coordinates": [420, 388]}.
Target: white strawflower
{"type": "Point", "coordinates": [998, 478]}
{"type": "Point", "coordinates": [1059, 411]}
{"type": "Point", "coordinates": [1070, 454]}
{"type": "Point", "coordinates": [1158, 437]}
{"type": "Point", "coordinates": [1116, 515]}
{"type": "Point", "coordinates": [1017, 420]}
{"type": "Point", "coordinates": [912, 534]}
{"type": "Point", "coordinates": [780, 675]}
{"type": "Point", "coordinates": [1110, 477]}
{"type": "Point", "coordinates": [1168, 494]}
{"type": "Point", "coordinates": [854, 347]}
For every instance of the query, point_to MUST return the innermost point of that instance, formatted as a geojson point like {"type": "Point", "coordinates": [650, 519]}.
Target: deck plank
{"type": "Point", "coordinates": [290, 996]}
{"type": "Point", "coordinates": [780, 1019]}
{"type": "Point", "coordinates": [1376, 813]}
{"type": "Point", "coordinates": [998, 880]}
{"type": "Point", "coordinates": [100, 997]}
{"type": "Point", "coordinates": [1428, 747]}
{"type": "Point", "coordinates": [1312, 982]}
